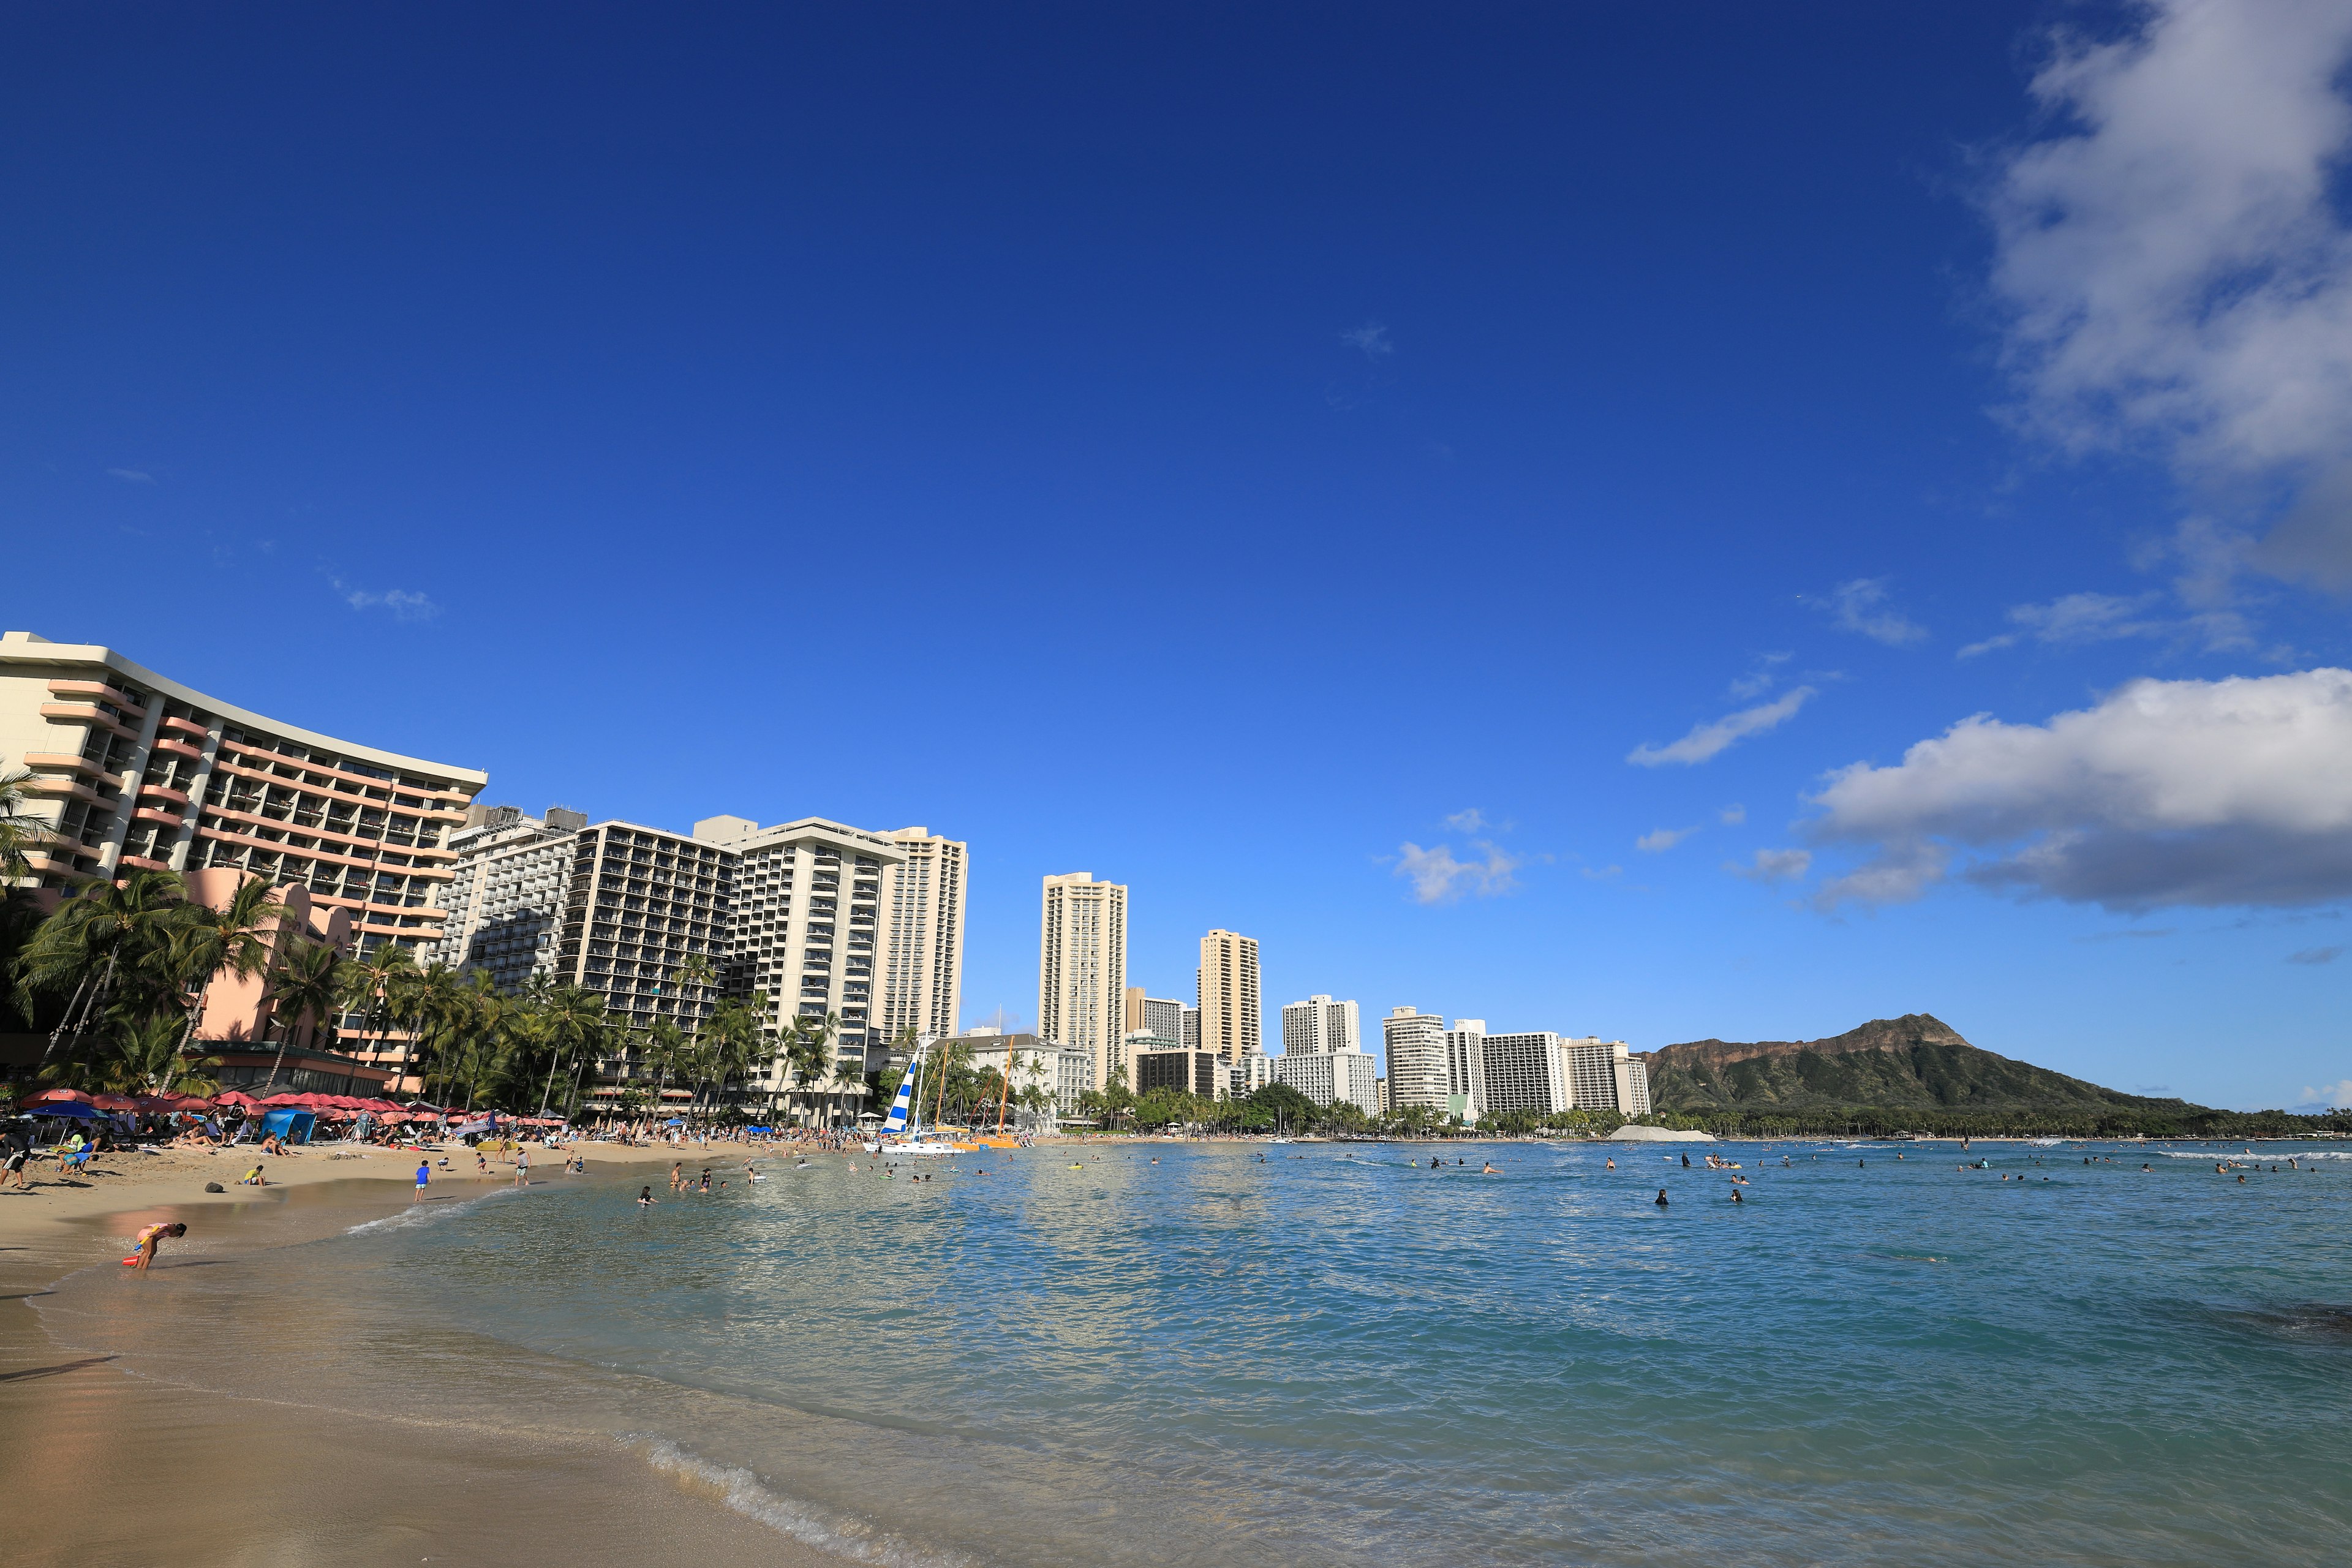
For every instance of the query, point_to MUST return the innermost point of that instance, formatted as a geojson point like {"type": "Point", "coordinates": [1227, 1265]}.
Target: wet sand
{"type": "Point", "coordinates": [109, 1463]}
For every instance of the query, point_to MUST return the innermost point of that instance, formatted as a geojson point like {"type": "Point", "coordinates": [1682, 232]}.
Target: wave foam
{"type": "Point", "coordinates": [742, 1492]}
{"type": "Point", "coordinates": [424, 1214]}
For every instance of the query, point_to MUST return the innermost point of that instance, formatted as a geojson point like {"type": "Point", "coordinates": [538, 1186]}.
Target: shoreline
{"type": "Point", "coordinates": [112, 1462]}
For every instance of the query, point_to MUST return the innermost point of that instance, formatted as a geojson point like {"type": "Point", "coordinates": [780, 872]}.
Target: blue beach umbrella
{"type": "Point", "coordinates": [74, 1109]}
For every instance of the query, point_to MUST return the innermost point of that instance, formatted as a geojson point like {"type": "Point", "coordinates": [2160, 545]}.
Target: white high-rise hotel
{"type": "Point", "coordinates": [1323, 1054]}
{"type": "Point", "coordinates": [1320, 1024]}
{"type": "Point", "coordinates": [1464, 1071]}
{"type": "Point", "coordinates": [1082, 969]}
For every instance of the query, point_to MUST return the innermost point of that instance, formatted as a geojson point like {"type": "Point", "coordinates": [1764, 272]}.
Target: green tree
{"type": "Point", "coordinates": [107, 933]}
{"type": "Point", "coordinates": [305, 988]}
{"type": "Point", "coordinates": [148, 1059]}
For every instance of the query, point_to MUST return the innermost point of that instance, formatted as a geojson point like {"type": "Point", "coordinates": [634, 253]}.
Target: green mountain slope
{"type": "Point", "coordinates": [1916, 1062]}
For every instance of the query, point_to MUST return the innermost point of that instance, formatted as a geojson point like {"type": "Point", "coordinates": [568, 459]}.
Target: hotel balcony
{"type": "Point", "coordinates": [98, 690]}
{"type": "Point", "coordinates": [87, 713]}
{"type": "Point", "coordinates": [186, 727]}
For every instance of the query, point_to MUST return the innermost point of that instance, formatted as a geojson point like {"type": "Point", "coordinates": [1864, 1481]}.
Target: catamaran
{"type": "Point", "coordinates": [902, 1130]}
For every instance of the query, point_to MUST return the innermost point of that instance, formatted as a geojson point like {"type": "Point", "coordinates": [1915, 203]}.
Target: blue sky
{"type": "Point", "coordinates": [1368, 478]}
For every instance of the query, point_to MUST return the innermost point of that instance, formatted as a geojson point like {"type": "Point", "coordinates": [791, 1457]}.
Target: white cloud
{"type": "Point", "coordinates": [1762, 679]}
{"type": "Point", "coordinates": [1662, 839]}
{"type": "Point", "coordinates": [2076, 618]}
{"type": "Point", "coordinates": [1469, 821]}
{"type": "Point", "coordinates": [403, 605]}
{"type": "Point", "coordinates": [2329, 1096]}
{"type": "Point", "coordinates": [1602, 873]}
{"type": "Point", "coordinates": [2167, 793]}
{"type": "Point", "coordinates": [1709, 740]}
{"type": "Point", "coordinates": [1861, 607]}
{"type": "Point", "coordinates": [1371, 340]}
{"type": "Point", "coordinates": [1438, 878]}
{"type": "Point", "coordinates": [1732, 816]}
{"type": "Point", "coordinates": [132, 476]}
{"type": "Point", "coordinates": [2172, 262]}
{"type": "Point", "coordinates": [1773, 866]}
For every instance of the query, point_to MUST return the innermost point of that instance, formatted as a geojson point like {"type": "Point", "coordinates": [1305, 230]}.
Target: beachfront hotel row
{"type": "Point", "coordinates": [128, 771]}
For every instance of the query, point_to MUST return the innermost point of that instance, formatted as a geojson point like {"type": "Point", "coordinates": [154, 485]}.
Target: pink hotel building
{"type": "Point", "coordinates": [130, 769]}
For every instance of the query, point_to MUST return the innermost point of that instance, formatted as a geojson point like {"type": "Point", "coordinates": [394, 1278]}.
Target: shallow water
{"type": "Point", "coordinates": [1323, 1358]}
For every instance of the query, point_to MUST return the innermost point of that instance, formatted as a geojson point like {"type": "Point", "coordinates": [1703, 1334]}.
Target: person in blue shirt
{"type": "Point", "coordinates": [424, 1174]}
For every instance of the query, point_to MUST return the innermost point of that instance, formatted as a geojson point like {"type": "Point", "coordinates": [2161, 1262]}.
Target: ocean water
{"type": "Point", "coordinates": [1336, 1355]}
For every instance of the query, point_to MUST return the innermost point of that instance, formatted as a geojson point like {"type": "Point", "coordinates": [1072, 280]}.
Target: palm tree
{"type": "Point", "coordinates": [568, 1019]}
{"type": "Point", "coordinates": [21, 832]}
{"type": "Point", "coordinates": [694, 973]}
{"type": "Point", "coordinates": [666, 1052]}
{"type": "Point", "coordinates": [148, 1059]}
{"type": "Point", "coordinates": [90, 940]}
{"type": "Point", "coordinates": [235, 938]}
{"type": "Point", "coordinates": [371, 982]}
{"type": "Point", "coordinates": [729, 1042]}
{"type": "Point", "coordinates": [308, 984]}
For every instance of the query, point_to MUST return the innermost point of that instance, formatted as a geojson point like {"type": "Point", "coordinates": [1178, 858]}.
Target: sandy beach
{"type": "Point", "coordinates": [109, 1463]}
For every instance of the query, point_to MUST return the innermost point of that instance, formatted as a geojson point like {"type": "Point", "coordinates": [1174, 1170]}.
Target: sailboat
{"type": "Point", "coordinates": [902, 1130]}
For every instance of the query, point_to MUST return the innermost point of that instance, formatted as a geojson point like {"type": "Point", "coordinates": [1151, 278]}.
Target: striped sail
{"type": "Point", "coordinates": [897, 1119]}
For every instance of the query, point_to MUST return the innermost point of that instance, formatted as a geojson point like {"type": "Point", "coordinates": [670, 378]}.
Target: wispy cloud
{"type": "Point", "coordinates": [2315, 955]}
{"type": "Point", "coordinates": [2329, 1096]}
{"type": "Point", "coordinates": [1710, 739]}
{"type": "Point", "coordinates": [403, 605]}
{"type": "Point", "coordinates": [1370, 339]}
{"type": "Point", "coordinates": [1659, 840]}
{"type": "Point", "coordinates": [1732, 816]}
{"type": "Point", "coordinates": [1861, 606]}
{"type": "Point", "coordinates": [1773, 866]}
{"type": "Point", "coordinates": [1469, 821]}
{"type": "Point", "coordinates": [1602, 873]}
{"type": "Point", "coordinates": [1763, 678]}
{"type": "Point", "coordinates": [1438, 878]}
{"type": "Point", "coordinates": [2077, 619]}
{"type": "Point", "coordinates": [132, 476]}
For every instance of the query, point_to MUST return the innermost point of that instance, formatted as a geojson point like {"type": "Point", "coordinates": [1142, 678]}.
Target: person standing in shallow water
{"type": "Point", "coordinates": [1661, 1197]}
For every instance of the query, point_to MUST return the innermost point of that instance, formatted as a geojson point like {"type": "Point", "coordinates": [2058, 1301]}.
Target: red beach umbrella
{"type": "Point", "coordinates": [56, 1097]}
{"type": "Point", "coordinates": [114, 1102]}
{"type": "Point", "coordinates": [235, 1097]}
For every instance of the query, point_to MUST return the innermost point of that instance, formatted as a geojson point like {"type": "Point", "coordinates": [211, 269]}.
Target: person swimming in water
{"type": "Point", "coordinates": [1661, 1197]}
{"type": "Point", "coordinates": [1489, 1169]}
{"type": "Point", "coordinates": [1734, 1196]}
{"type": "Point", "coordinates": [646, 1198]}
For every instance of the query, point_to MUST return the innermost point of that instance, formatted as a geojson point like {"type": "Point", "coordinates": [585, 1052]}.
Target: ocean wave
{"type": "Point", "coordinates": [417, 1214]}
{"type": "Point", "coordinates": [742, 1492]}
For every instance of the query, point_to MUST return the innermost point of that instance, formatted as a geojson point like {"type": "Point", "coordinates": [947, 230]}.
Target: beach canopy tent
{"type": "Point", "coordinates": [290, 1125]}
{"type": "Point", "coordinates": [73, 1109]}
{"type": "Point", "coordinates": [156, 1102]}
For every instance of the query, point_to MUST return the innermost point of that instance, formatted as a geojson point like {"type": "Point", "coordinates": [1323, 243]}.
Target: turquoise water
{"type": "Point", "coordinates": [1322, 1358]}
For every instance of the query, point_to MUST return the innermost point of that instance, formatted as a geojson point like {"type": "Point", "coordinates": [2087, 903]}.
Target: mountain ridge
{"type": "Point", "coordinates": [1916, 1061]}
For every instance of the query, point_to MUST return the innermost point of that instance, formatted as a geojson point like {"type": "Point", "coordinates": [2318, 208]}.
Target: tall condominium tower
{"type": "Point", "coordinates": [1415, 1043]}
{"type": "Point", "coordinates": [922, 961]}
{"type": "Point", "coordinates": [1320, 1024]}
{"type": "Point", "coordinates": [1604, 1075]}
{"type": "Point", "coordinates": [1082, 969]}
{"type": "Point", "coordinates": [505, 903]}
{"type": "Point", "coordinates": [1466, 1068]}
{"type": "Point", "coordinates": [1527, 1072]}
{"type": "Point", "coordinates": [1227, 984]}
{"type": "Point", "coordinates": [639, 902]}
{"type": "Point", "coordinates": [1162, 1019]}
{"type": "Point", "coordinates": [130, 769]}
{"type": "Point", "coordinates": [807, 917]}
